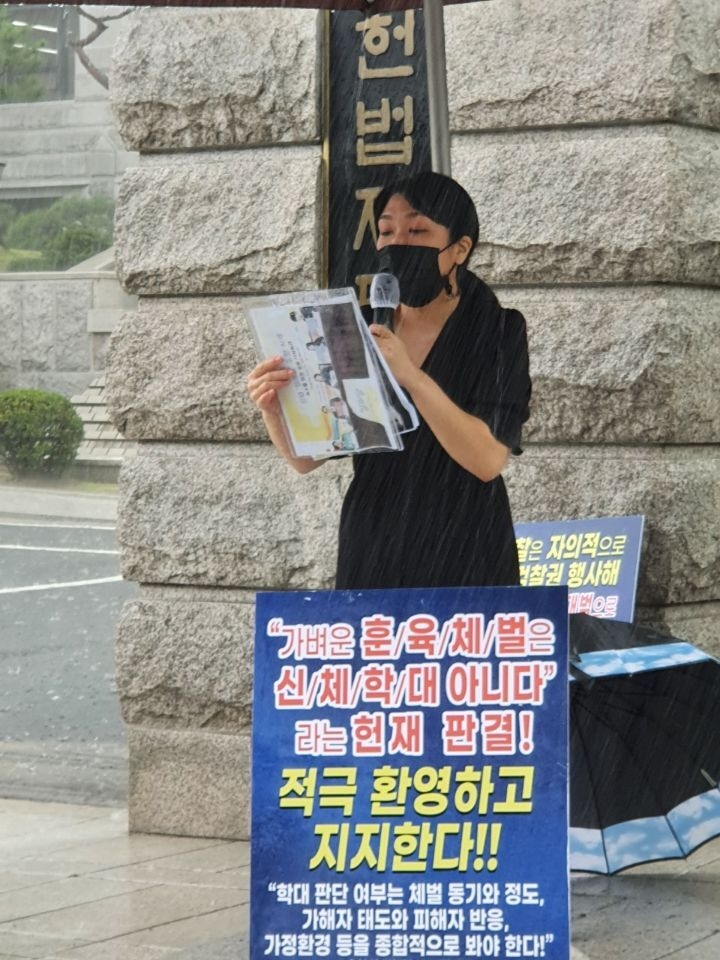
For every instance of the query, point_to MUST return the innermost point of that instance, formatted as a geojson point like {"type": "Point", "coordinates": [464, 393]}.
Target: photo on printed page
{"type": "Point", "coordinates": [342, 399]}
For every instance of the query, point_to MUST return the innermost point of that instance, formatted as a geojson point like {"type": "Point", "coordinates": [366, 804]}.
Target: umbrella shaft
{"type": "Point", "coordinates": [437, 86]}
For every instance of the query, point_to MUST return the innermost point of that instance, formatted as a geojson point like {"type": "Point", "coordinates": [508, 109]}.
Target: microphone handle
{"type": "Point", "coordinates": [384, 316]}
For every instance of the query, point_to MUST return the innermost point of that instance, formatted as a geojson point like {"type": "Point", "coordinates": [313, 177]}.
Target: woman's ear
{"type": "Point", "coordinates": [463, 246]}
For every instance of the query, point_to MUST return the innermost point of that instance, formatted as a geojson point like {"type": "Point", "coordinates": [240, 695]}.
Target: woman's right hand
{"type": "Point", "coordinates": [265, 380]}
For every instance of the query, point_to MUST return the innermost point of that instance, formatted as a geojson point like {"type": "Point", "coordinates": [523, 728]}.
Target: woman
{"type": "Point", "coordinates": [436, 513]}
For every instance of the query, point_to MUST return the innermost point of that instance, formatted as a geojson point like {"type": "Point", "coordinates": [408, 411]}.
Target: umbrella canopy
{"type": "Point", "coordinates": [644, 746]}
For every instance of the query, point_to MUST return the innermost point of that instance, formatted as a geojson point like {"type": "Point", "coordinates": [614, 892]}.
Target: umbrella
{"type": "Point", "coordinates": [644, 746]}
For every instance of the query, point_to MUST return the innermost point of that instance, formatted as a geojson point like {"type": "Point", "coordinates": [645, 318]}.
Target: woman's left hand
{"type": "Point", "coordinates": [395, 353]}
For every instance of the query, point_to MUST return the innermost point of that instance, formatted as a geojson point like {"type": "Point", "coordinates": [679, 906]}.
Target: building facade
{"type": "Point", "coordinates": [589, 137]}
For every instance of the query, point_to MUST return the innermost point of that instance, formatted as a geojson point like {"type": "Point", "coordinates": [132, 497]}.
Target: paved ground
{"type": "Point", "coordinates": [74, 885]}
{"type": "Point", "coordinates": [61, 734]}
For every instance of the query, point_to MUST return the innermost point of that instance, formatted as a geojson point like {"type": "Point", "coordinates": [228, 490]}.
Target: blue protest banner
{"type": "Point", "coordinates": [598, 558]}
{"type": "Point", "coordinates": [410, 774]}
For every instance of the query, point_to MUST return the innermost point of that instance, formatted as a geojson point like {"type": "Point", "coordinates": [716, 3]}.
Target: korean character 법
{"type": "Point", "coordinates": [369, 121]}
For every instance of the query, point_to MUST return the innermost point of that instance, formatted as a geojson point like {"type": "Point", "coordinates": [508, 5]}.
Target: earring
{"type": "Point", "coordinates": [448, 285]}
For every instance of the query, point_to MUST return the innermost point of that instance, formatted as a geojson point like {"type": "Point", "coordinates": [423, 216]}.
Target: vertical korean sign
{"type": "Point", "coordinates": [378, 130]}
{"type": "Point", "coordinates": [410, 774]}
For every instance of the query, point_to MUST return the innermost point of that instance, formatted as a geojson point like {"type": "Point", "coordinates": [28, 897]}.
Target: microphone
{"type": "Point", "coordinates": [384, 298]}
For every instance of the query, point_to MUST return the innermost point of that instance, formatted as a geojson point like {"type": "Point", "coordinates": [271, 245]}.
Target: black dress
{"type": "Point", "coordinates": [416, 518]}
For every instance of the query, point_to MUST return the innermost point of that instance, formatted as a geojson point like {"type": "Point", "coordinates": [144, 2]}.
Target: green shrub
{"type": "Point", "coordinates": [40, 432]}
{"type": "Point", "coordinates": [13, 261]}
{"type": "Point", "coordinates": [7, 215]}
{"type": "Point", "coordinates": [67, 232]}
{"type": "Point", "coordinates": [20, 61]}
{"type": "Point", "coordinates": [73, 245]}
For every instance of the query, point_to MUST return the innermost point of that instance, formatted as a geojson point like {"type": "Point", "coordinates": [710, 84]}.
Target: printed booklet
{"type": "Point", "coordinates": [343, 398]}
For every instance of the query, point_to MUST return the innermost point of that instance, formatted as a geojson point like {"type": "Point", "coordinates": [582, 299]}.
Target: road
{"type": "Point", "coordinates": [61, 734]}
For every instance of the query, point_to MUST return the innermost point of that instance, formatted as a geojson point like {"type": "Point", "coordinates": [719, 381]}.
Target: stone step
{"type": "Point", "coordinates": [103, 448]}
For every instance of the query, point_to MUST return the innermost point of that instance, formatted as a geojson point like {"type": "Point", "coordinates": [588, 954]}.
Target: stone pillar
{"type": "Point", "coordinates": [589, 137]}
{"type": "Point", "coordinates": [224, 109]}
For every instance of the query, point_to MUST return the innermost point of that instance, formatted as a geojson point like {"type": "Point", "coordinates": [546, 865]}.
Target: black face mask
{"type": "Point", "coordinates": [417, 271]}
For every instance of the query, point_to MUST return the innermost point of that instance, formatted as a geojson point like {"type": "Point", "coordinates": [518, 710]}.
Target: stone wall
{"type": "Point", "coordinates": [592, 175]}
{"type": "Point", "coordinates": [43, 329]}
{"type": "Point", "coordinates": [225, 202]}
{"type": "Point", "coordinates": [590, 141]}
{"type": "Point", "coordinates": [55, 327]}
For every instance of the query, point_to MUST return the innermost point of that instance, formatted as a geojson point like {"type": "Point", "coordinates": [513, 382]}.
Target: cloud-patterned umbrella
{"type": "Point", "coordinates": [644, 748]}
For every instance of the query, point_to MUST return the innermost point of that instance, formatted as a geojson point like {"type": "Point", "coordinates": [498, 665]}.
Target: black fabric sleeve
{"type": "Point", "coordinates": [505, 406]}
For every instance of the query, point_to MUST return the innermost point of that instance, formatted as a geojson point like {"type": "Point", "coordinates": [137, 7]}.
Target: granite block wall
{"type": "Point", "coordinates": [593, 176]}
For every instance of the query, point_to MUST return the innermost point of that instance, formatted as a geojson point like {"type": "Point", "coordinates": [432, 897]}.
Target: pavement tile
{"type": "Point", "coordinates": [128, 913]}
{"type": "Point", "coordinates": [57, 895]}
{"type": "Point", "coordinates": [15, 827]}
{"type": "Point", "coordinates": [67, 811]}
{"type": "Point", "coordinates": [132, 848]}
{"type": "Point", "coordinates": [113, 950]}
{"type": "Point", "coordinates": [32, 946]}
{"type": "Point", "coordinates": [17, 880]}
{"type": "Point", "coordinates": [155, 872]}
{"type": "Point", "coordinates": [25, 835]}
{"type": "Point", "coordinates": [37, 869]}
{"type": "Point", "coordinates": [193, 931]}
{"type": "Point", "coordinates": [226, 855]}
{"type": "Point", "coordinates": [706, 949]}
{"type": "Point", "coordinates": [651, 918]}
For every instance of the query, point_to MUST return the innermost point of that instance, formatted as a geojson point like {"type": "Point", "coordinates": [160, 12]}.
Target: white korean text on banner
{"type": "Point", "coordinates": [410, 774]}
{"type": "Point", "coordinates": [597, 558]}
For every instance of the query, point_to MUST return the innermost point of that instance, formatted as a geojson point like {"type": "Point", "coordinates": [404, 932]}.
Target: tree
{"type": "Point", "coordinates": [101, 25]}
{"type": "Point", "coordinates": [19, 62]}
{"type": "Point", "coordinates": [65, 233]}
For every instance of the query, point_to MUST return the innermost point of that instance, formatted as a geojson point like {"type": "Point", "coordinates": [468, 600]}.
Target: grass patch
{"type": "Point", "coordinates": [19, 260]}
{"type": "Point", "coordinates": [67, 484]}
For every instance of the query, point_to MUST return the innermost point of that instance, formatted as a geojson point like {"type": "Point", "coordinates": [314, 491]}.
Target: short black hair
{"type": "Point", "coordinates": [439, 197]}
